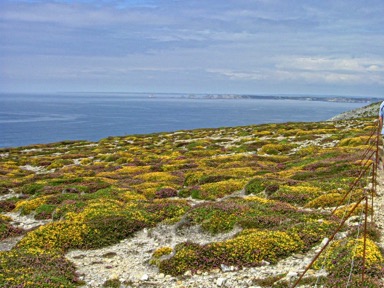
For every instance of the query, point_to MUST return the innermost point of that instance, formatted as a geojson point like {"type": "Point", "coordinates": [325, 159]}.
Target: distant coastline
{"type": "Point", "coordinates": [213, 96]}
{"type": "Point", "coordinates": [342, 99]}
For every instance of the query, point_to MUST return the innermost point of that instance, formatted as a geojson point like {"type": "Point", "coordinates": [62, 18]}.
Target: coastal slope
{"type": "Point", "coordinates": [241, 206]}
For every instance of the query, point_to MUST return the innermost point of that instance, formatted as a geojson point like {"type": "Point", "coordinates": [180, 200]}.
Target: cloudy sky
{"type": "Point", "coordinates": [327, 47]}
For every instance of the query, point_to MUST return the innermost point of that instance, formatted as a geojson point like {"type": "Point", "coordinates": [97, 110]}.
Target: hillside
{"type": "Point", "coordinates": [371, 110]}
{"type": "Point", "coordinates": [230, 207]}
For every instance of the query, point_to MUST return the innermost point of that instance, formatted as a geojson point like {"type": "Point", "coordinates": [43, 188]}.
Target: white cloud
{"type": "Point", "coordinates": [80, 15]}
{"type": "Point", "coordinates": [261, 43]}
{"type": "Point", "coordinates": [332, 64]}
{"type": "Point", "coordinates": [333, 70]}
{"type": "Point", "coordinates": [238, 75]}
{"type": "Point", "coordinates": [315, 70]}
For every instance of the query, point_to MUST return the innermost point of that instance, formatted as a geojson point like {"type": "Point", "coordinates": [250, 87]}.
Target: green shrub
{"type": "Point", "coordinates": [255, 186]}
{"type": "Point", "coordinates": [45, 211]}
{"type": "Point", "coordinates": [312, 232]}
{"type": "Point", "coordinates": [32, 188]}
{"type": "Point", "coordinates": [249, 248]}
{"type": "Point", "coordinates": [211, 191]}
{"type": "Point", "coordinates": [7, 230]}
{"type": "Point", "coordinates": [298, 195]}
{"type": "Point", "coordinates": [107, 230]}
{"type": "Point", "coordinates": [33, 268]}
{"type": "Point", "coordinates": [259, 184]}
{"type": "Point", "coordinates": [338, 258]}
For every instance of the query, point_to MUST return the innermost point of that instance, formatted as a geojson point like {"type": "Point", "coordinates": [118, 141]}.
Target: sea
{"type": "Point", "coordinates": [27, 119]}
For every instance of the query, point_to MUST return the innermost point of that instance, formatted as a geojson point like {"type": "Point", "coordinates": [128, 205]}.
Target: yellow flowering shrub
{"type": "Point", "coordinates": [192, 178]}
{"type": "Point", "coordinates": [339, 255]}
{"type": "Point", "coordinates": [239, 172]}
{"type": "Point", "coordinates": [299, 194]}
{"type": "Point", "coordinates": [36, 268]}
{"type": "Point", "coordinates": [275, 149]}
{"type": "Point", "coordinates": [290, 132]}
{"type": "Point", "coordinates": [160, 252]}
{"type": "Point", "coordinates": [131, 196]}
{"type": "Point", "coordinates": [157, 177]}
{"type": "Point", "coordinates": [27, 206]}
{"type": "Point", "coordinates": [56, 236]}
{"type": "Point", "coordinates": [312, 231]}
{"type": "Point", "coordinates": [354, 141]}
{"type": "Point", "coordinates": [248, 248]}
{"type": "Point", "coordinates": [308, 150]}
{"type": "Point", "coordinates": [262, 133]}
{"type": "Point", "coordinates": [326, 200]}
{"type": "Point", "coordinates": [343, 211]}
{"type": "Point", "coordinates": [211, 191]}
{"type": "Point", "coordinates": [258, 199]}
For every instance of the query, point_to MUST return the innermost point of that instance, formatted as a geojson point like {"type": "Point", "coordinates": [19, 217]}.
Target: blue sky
{"type": "Point", "coordinates": [327, 47]}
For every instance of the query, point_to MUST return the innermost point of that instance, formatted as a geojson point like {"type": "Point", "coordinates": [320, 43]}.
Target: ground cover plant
{"type": "Point", "coordinates": [277, 183]}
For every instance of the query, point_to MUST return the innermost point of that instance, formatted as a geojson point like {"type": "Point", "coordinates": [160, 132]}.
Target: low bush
{"type": "Point", "coordinates": [212, 191]}
{"type": "Point", "coordinates": [108, 230]}
{"type": "Point", "coordinates": [255, 186]}
{"type": "Point", "coordinates": [7, 230]}
{"type": "Point", "coordinates": [248, 248]}
{"type": "Point", "coordinates": [166, 193]}
{"type": "Point", "coordinates": [298, 195]}
{"type": "Point", "coordinates": [327, 200]}
{"type": "Point", "coordinates": [340, 256]}
{"type": "Point", "coordinates": [35, 268]}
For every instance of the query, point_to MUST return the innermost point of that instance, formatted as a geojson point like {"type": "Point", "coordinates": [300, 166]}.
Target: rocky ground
{"type": "Point", "coordinates": [128, 261]}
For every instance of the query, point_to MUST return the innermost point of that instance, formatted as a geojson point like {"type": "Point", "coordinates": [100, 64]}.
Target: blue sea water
{"type": "Point", "coordinates": [38, 119]}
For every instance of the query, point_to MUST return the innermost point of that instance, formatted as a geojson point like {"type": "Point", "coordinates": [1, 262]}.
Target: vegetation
{"type": "Point", "coordinates": [278, 183]}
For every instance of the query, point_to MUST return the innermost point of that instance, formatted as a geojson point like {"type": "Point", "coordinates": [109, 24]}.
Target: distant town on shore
{"type": "Point", "coordinates": [349, 99]}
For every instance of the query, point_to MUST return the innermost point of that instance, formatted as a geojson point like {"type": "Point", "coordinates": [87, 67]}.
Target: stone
{"type": "Point", "coordinates": [144, 277]}
{"type": "Point", "coordinates": [161, 276]}
{"type": "Point", "coordinates": [291, 274]}
{"type": "Point", "coordinates": [220, 281]}
{"type": "Point", "coordinates": [265, 263]}
{"type": "Point", "coordinates": [226, 268]}
{"type": "Point", "coordinates": [325, 240]}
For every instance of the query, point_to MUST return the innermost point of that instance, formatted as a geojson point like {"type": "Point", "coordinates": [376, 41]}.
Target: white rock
{"type": "Point", "coordinates": [265, 263]}
{"type": "Point", "coordinates": [113, 276]}
{"type": "Point", "coordinates": [226, 268]}
{"type": "Point", "coordinates": [291, 274]}
{"type": "Point", "coordinates": [325, 240]}
{"type": "Point", "coordinates": [145, 277]}
{"type": "Point", "coordinates": [161, 276]}
{"type": "Point", "coordinates": [220, 281]}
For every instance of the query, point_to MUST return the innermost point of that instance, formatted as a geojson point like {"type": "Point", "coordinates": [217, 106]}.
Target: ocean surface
{"type": "Point", "coordinates": [39, 119]}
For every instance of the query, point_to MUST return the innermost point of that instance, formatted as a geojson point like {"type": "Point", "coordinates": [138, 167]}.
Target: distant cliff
{"type": "Point", "coordinates": [371, 110]}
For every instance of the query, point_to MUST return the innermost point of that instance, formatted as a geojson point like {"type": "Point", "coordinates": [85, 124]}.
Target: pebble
{"type": "Point", "coordinates": [220, 281]}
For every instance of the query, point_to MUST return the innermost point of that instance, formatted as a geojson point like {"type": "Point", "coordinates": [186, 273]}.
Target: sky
{"type": "Point", "coordinates": [327, 47]}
